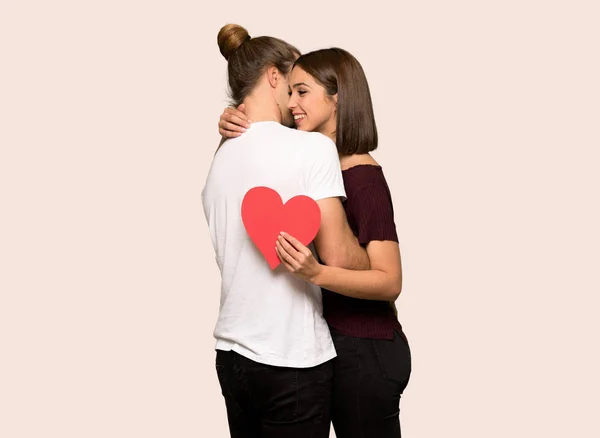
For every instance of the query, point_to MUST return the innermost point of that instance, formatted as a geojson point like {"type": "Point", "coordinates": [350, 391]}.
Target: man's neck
{"type": "Point", "coordinates": [262, 109]}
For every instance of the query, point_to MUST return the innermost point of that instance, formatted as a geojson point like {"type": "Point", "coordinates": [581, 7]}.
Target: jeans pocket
{"type": "Point", "coordinates": [233, 407]}
{"type": "Point", "coordinates": [222, 375]}
{"type": "Point", "coordinates": [276, 391]}
{"type": "Point", "coordinates": [394, 359]}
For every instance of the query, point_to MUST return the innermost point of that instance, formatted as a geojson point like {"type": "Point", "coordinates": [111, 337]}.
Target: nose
{"type": "Point", "coordinates": [292, 102]}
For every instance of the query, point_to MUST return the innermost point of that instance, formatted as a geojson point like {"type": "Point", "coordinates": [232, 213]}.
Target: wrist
{"type": "Point", "coordinates": [317, 277]}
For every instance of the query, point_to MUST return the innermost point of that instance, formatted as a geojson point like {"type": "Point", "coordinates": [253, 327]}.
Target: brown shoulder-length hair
{"type": "Point", "coordinates": [248, 58]}
{"type": "Point", "coordinates": [340, 72]}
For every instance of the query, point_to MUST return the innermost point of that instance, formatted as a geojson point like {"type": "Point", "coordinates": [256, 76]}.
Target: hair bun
{"type": "Point", "coordinates": [230, 38]}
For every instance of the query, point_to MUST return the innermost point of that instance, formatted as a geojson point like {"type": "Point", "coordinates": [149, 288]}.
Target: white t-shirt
{"type": "Point", "coordinates": [268, 316]}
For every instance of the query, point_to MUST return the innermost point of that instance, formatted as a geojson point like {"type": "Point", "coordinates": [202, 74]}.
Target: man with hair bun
{"type": "Point", "coordinates": [274, 348]}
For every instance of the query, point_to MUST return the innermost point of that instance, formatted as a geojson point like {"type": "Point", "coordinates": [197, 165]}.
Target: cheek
{"type": "Point", "coordinates": [309, 107]}
{"type": "Point", "coordinates": [320, 109]}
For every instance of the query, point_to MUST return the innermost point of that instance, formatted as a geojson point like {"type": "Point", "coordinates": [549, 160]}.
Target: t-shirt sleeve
{"type": "Point", "coordinates": [324, 178]}
{"type": "Point", "coordinates": [374, 214]}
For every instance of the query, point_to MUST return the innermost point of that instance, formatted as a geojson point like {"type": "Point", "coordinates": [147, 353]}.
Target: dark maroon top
{"type": "Point", "coordinates": [371, 217]}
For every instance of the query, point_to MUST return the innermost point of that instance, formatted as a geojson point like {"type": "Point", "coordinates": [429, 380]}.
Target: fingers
{"type": "Point", "coordinates": [235, 116]}
{"type": "Point", "coordinates": [286, 258]}
{"type": "Point", "coordinates": [289, 248]}
{"type": "Point", "coordinates": [228, 134]}
{"type": "Point", "coordinates": [227, 129]}
{"type": "Point", "coordinates": [298, 246]}
{"type": "Point", "coordinates": [289, 267]}
{"type": "Point", "coordinates": [231, 123]}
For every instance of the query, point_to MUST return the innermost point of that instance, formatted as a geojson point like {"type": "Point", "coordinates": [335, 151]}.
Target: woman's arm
{"type": "Point", "coordinates": [382, 282]}
{"type": "Point", "coordinates": [233, 122]}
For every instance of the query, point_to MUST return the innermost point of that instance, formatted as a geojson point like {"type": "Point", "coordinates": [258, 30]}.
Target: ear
{"type": "Point", "coordinates": [273, 76]}
{"type": "Point", "coordinates": [335, 100]}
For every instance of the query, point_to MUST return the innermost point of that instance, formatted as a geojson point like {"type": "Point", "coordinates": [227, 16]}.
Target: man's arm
{"type": "Point", "coordinates": [335, 243]}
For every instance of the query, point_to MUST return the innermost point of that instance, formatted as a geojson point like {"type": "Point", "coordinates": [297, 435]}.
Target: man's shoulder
{"type": "Point", "coordinates": [308, 147]}
{"type": "Point", "coordinates": [311, 137]}
{"type": "Point", "coordinates": [315, 143]}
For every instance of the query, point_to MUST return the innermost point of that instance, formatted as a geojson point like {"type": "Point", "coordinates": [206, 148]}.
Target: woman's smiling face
{"type": "Point", "coordinates": [313, 109]}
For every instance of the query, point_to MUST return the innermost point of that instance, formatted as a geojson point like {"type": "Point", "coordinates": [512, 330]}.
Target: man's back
{"type": "Point", "coordinates": [268, 315]}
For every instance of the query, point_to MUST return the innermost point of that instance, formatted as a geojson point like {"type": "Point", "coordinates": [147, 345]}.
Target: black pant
{"type": "Point", "coordinates": [265, 401]}
{"type": "Point", "coordinates": [369, 377]}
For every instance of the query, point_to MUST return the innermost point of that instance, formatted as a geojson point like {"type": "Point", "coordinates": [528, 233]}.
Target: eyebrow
{"type": "Point", "coordinates": [300, 83]}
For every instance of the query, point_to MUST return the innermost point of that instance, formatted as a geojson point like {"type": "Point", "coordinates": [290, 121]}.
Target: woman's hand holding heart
{"type": "Point", "coordinates": [297, 258]}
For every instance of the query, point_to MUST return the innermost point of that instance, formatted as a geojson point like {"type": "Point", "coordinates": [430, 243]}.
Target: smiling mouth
{"type": "Point", "coordinates": [298, 117]}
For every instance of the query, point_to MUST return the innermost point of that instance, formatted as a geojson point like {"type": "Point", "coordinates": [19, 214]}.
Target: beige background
{"type": "Point", "coordinates": [488, 114]}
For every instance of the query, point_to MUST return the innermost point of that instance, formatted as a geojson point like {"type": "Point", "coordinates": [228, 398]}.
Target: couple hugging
{"type": "Point", "coordinates": [317, 339]}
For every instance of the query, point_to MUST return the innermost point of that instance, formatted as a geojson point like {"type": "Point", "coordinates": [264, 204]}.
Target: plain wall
{"type": "Point", "coordinates": [488, 116]}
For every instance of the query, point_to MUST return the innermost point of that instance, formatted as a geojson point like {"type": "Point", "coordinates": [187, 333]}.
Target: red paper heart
{"type": "Point", "coordinates": [265, 215]}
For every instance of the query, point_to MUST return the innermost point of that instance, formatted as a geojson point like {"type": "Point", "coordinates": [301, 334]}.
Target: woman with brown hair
{"type": "Point", "coordinates": [329, 94]}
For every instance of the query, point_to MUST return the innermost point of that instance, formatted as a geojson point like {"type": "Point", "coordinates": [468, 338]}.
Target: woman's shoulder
{"type": "Point", "coordinates": [369, 200]}
{"type": "Point", "coordinates": [362, 171]}
{"type": "Point", "coordinates": [351, 161]}
{"type": "Point", "coordinates": [364, 179]}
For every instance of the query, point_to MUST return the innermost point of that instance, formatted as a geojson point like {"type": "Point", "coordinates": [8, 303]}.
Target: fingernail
{"type": "Point", "coordinates": [243, 129]}
{"type": "Point", "coordinates": [249, 121]}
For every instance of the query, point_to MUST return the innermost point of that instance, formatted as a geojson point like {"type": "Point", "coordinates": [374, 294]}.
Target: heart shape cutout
{"type": "Point", "coordinates": [265, 215]}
